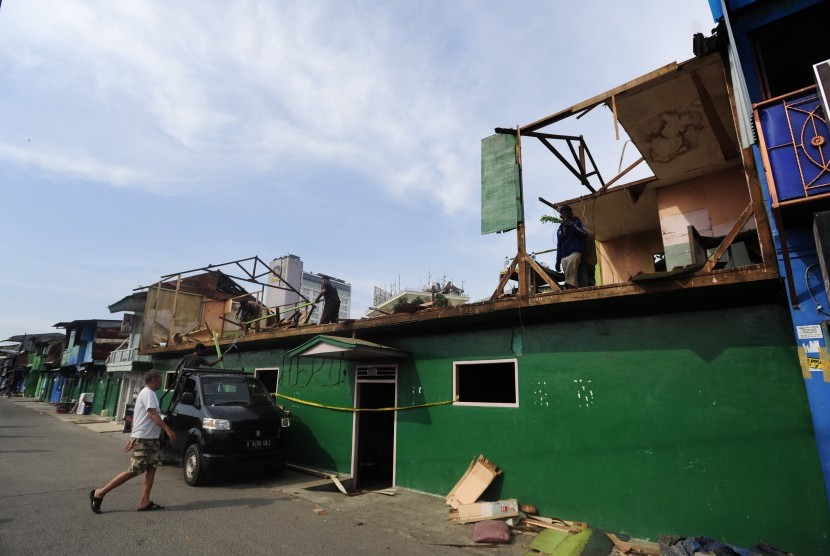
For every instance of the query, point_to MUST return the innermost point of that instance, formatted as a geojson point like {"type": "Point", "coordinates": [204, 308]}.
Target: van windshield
{"type": "Point", "coordinates": [234, 391]}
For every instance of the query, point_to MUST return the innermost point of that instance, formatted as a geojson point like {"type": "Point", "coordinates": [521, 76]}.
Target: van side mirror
{"type": "Point", "coordinates": [188, 398]}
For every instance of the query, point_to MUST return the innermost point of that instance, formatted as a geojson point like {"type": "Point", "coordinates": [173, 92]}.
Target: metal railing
{"type": "Point", "coordinates": [126, 356]}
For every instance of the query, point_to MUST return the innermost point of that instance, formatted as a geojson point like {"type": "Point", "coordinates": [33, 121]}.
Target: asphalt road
{"type": "Point", "coordinates": [48, 466]}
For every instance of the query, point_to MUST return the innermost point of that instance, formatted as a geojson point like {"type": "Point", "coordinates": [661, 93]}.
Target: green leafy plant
{"type": "Point", "coordinates": [415, 301]}
{"type": "Point", "coordinates": [545, 219]}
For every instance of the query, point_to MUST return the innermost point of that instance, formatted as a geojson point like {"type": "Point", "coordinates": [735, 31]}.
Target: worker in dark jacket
{"type": "Point", "coordinates": [331, 308]}
{"type": "Point", "coordinates": [570, 243]}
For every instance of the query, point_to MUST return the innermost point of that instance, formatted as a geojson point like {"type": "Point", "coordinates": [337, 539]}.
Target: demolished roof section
{"type": "Point", "coordinates": [679, 117]}
{"type": "Point", "coordinates": [197, 305]}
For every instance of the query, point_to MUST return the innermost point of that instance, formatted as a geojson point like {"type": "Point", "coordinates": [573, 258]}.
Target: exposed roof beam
{"type": "Point", "coordinates": [586, 105]}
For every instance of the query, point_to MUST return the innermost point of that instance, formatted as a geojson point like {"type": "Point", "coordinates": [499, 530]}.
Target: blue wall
{"type": "Point", "coordinates": [810, 295]}
{"type": "Point", "coordinates": [745, 17]}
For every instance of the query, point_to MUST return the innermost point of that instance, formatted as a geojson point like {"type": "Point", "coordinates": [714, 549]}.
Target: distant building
{"type": "Point", "coordinates": [290, 269]}
{"type": "Point", "coordinates": [125, 362]}
{"type": "Point", "coordinates": [384, 301]}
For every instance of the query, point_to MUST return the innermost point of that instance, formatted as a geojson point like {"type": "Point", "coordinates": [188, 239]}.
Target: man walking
{"type": "Point", "coordinates": [145, 446]}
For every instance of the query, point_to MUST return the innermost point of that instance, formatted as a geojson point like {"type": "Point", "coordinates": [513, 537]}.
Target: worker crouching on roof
{"type": "Point", "coordinates": [249, 310]}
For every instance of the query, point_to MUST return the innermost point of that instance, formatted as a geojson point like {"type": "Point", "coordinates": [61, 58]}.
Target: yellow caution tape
{"type": "Point", "coordinates": [805, 365]}
{"type": "Point", "coordinates": [357, 409]}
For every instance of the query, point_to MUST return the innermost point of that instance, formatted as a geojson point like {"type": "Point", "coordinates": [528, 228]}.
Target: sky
{"type": "Point", "coordinates": [142, 138]}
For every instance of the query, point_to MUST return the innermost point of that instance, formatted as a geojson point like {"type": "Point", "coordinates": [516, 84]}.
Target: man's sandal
{"type": "Point", "coordinates": [95, 502]}
{"type": "Point", "coordinates": [150, 507]}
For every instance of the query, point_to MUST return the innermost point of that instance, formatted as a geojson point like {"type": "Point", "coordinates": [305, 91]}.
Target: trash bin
{"type": "Point", "coordinates": [85, 398]}
{"type": "Point", "coordinates": [87, 408]}
{"type": "Point", "coordinates": [128, 418]}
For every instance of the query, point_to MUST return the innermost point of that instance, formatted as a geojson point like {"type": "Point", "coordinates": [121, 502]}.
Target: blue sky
{"type": "Point", "coordinates": [141, 138]}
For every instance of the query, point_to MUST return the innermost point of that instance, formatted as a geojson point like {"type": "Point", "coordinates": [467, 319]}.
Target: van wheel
{"type": "Point", "coordinates": [194, 471]}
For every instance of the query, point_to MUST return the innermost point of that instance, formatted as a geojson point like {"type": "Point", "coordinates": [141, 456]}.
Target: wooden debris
{"type": "Point", "coordinates": [619, 544]}
{"type": "Point", "coordinates": [481, 511]}
{"type": "Point", "coordinates": [323, 475]}
{"type": "Point", "coordinates": [338, 484]}
{"type": "Point", "coordinates": [560, 542]}
{"type": "Point", "coordinates": [473, 482]}
{"type": "Point", "coordinates": [549, 524]}
{"type": "Point", "coordinates": [320, 511]}
{"type": "Point", "coordinates": [634, 546]}
{"type": "Point", "coordinates": [529, 509]}
{"type": "Point", "coordinates": [480, 545]}
{"type": "Point", "coordinates": [387, 491]}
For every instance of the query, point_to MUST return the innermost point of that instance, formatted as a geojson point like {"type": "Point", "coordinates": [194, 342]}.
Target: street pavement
{"type": "Point", "coordinates": [50, 461]}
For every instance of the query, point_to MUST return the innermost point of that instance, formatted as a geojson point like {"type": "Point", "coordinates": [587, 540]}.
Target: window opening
{"type": "Point", "coordinates": [786, 52]}
{"type": "Point", "coordinates": [269, 377]}
{"type": "Point", "coordinates": [486, 383]}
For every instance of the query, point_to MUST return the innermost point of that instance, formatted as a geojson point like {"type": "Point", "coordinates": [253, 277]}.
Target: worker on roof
{"type": "Point", "coordinates": [196, 359]}
{"type": "Point", "coordinates": [249, 310]}
{"type": "Point", "coordinates": [570, 243]}
{"type": "Point", "coordinates": [331, 308]}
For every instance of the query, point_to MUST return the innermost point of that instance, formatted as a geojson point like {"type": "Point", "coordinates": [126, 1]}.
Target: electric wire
{"type": "Point", "coordinates": [819, 308]}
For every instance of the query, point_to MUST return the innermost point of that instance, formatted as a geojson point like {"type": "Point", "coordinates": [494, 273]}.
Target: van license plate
{"type": "Point", "coordinates": [259, 444]}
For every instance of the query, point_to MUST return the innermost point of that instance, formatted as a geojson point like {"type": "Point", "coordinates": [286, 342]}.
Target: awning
{"type": "Point", "coordinates": [333, 347]}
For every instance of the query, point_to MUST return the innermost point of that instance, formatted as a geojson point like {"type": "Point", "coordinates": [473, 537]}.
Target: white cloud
{"type": "Point", "coordinates": [258, 83]}
{"type": "Point", "coordinates": [76, 165]}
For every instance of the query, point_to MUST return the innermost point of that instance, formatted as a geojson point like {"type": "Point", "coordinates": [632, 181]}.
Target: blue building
{"type": "Point", "coordinates": [778, 51]}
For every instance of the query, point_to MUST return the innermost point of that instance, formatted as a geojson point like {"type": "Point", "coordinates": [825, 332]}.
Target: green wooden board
{"type": "Point", "coordinates": [500, 186]}
{"type": "Point", "coordinates": [547, 541]}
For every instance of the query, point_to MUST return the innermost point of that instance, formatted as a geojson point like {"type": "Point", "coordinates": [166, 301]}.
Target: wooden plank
{"type": "Point", "coordinates": [542, 274]}
{"type": "Point", "coordinates": [619, 544]}
{"type": "Point", "coordinates": [550, 525]}
{"type": "Point", "coordinates": [621, 174]}
{"type": "Point", "coordinates": [728, 239]}
{"type": "Point", "coordinates": [504, 279]}
{"type": "Point", "coordinates": [338, 484]}
{"type": "Point", "coordinates": [230, 321]}
{"type": "Point", "coordinates": [599, 99]}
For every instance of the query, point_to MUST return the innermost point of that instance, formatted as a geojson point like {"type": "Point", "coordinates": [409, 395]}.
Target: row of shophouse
{"type": "Point", "coordinates": [686, 393]}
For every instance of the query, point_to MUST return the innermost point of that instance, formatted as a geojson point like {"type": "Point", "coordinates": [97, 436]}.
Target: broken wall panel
{"type": "Point", "coordinates": [214, 309]}
{"type": "Point", "coordinates": [625, 256]}
{"type": "Point", "coordinates": [160, 323]}
{"type": "Point", "coordinates": [711, 205]}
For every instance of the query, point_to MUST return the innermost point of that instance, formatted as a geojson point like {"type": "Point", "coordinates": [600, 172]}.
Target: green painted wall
{"type": "Point", "coordinates": [323, 436]}
{"type": "Point", "coordinates": [685, 424]}
{"type": "Point", "coordinates": [690, 424]}
{"type": "Point", "coordinates": [32, 382]}
{"type": "Point", "coordinates": [106, 393]}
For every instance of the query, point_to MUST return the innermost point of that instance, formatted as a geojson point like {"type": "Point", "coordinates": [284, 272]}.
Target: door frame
{"type": "Point", "coordinates": [368, 374]}
{"type": "Point", "coordinates": [258, 370]}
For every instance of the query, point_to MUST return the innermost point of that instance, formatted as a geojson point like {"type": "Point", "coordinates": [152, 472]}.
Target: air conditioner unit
{"type": "Point", "coordinates": [822, 73]}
